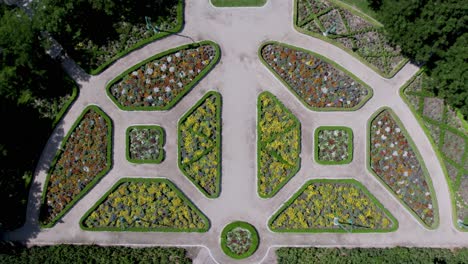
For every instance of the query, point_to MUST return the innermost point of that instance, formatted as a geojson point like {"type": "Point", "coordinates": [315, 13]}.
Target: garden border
{"type": "Point", "coordinates": [326, 60]}
{"type": "Point", "coordinates": [219, 100]}
{"type": "Point", "coordinates": [97, 177]}
{"type": "Point", "coordinates": [136, 229]}
{"type": "Point", "coordinates": [161, 144]}
{"type": "Point", "coordinates": [435, 147]}
{"type": "Point", "coordinates": [66, 107]}
{"type": "Point", "coordinates": [260, 146]}
{"type": "Point", "coordinates": [255, 239]}
{"type": "Point", "coordinates": [353, 182]}
{"type": "Point", "coordinates": [350, 144]}
{"type": "Point", "coordinates": [341, 46]}
{"type": "Point", "coordinates": [144, 42]}
{"type": "Point", "coordinates": [238, 3]}
{"type": "Point", "coordinates": [427, 176]}
{"type": "Point", "coordinates": [187, 88]}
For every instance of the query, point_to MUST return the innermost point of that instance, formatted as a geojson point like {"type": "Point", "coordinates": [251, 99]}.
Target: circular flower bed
{"type": "Point", "coordinates": [239, 240]}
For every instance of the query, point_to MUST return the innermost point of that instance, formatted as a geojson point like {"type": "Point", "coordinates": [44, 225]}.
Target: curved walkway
{"type": "Point", "coordinates": [240, 77]}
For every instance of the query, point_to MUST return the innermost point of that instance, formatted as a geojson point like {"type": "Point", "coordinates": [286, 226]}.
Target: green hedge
{"type": "Point", "coordinates": [334, 64]}
{"type": "Point", "coordinates": [96, 179]}
{"type": "Point", "coordinates": [188, 88]}
{"type": "Point", "coordinates": [245, 225]}
{"type": "Point", "coordinates": [144, 42]}
{"type": "Point", "coordinates": [371, 255]}
{"type": "Point", "coordinates": [238, 3]}
{"type": "Point", "coordinates": [348, 130]}
{"type": "Point", "coordinates": [353, 182]}
{"type": "Point", "coordinates": [162, 141]}
{"type": "Point", "coordinates": [420, 159]}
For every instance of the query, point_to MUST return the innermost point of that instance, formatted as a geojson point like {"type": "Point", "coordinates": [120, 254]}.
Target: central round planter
{"type": "Point", "coordinates": [239, 240]}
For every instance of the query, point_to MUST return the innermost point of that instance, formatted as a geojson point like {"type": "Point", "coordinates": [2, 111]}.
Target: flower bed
{"type": "Point", "coordinates": [350, 30]}
{"type": "Point", "coordinates": [200, 144]}
{"type": "Point", "coordinates": [395, 161]}
{"type": "Point", "coordinates": [313, 79]}
{"type": "Point", "coordinates": [144, 205]}
{"type": "Point", "coordinates": [278, 147]}
{"type": "Point", "coordinates": [333, 145]}
{"type": "Point", "coordinates": [83, 158]}
{"type": "Point", "coordinates": [333, 206]}
{"type": "Point", "coordinates": [161, 81]}
{"type": "Point", "coordinates": [448, 133]}
{"type": "Point", "coordinates": [145, 144]}
{"type": "Point", "coordinates": [239, 240]}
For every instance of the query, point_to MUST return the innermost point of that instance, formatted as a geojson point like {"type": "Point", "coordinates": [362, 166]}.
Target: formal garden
{"type": "Point", "coordinates": [318, 83]}
{"type": "Point", "coordinates": [239, 240]}
{"type": "Point", "coordinates": [145, 144]}
{"type": "Point", "coordinates": [395, 161]}
{"type": "Point", "coordinates": [448, 133]}
{"type": "Point", "coordinates": [333, 145]}
{"type": "Point", "coordinates": [351, 30]}
{"type": "Point", "coordinates": [278, 146]}
{"type": "Point", "coordinates": [344, 206]}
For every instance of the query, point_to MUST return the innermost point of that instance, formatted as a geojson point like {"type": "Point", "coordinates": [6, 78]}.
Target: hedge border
{"type": "Point", "coordinates": [238, 3]}
{"type": "Point", "coordinates": [420, 159]}
{"type": "Point", "coordinates": [67, 105]}
{"type": "Point", "coordinates": [435, 147]}
{"type": "Point", "coordinates": [96, 179]}
{"type": "Point", "coordinates": [161, 144]}
{"type": "Point", "coordinates": [245, 225]}
{"type": "Point", "coordinates": [350, 144]}
{"type": "Point", "coordinates": [187, 88]}
{"type": "Point", "coordinates": [329, 61]}
{"type": "Point", "coordinates": [341, 46]}
{"type": "Point", "coordinates": [261, 146]}
{"type": "Point", "coordinates": [219, 102]}
{"type": "Point", "coordinates": [353, 182]}
{"type": "Point", "coordinates": [136, 229]}
{"type": "Point", "coordinates": [144, 42]}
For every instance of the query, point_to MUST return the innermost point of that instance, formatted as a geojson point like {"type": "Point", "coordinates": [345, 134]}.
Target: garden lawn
{"type": "Point", "coordinates": [395, 161]}
{"type": "Point", "coordinates": [199, 139]}
{"type": "Point", "coordinates": [145, 205]}
{"type": "Point", "coordinates": [332, 206]}
{"type": "Point", "coordinates": [278, 146]}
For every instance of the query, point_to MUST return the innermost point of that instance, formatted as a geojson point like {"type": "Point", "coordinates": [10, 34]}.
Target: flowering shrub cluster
{"type": "Point", "coordinates": [316, 82]}
{"type": "Point", "coordinates": [151, 204]}
{"type": "Point", "coordinates": [82, 159]}
{"type": "Point", "coordinates": [279, 144]}
{"type": "Point", "coordinates": [145, 144]}
{"type": "Point", "coordinates": [239, 240]}
{"type": "Point", "coordinates": [160, 83]}
{"type": "Point", "coordinates": [334, 145]}
{"type": "Point", "coordinates": [394, 160]}
{"type": "Point", "coordinates": [331, 205]}
{"type": "Point", "coordinates": [352, 32]}
{"type": "Point", "coordinates": [200, 144]}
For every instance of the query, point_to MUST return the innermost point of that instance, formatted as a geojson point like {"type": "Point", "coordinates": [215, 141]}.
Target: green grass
{"type": "Point", "coordinates": [245, 225]}
{"type": "Point", "coordinates": [361, 5]}
{"type": "Point", "coordinates": [348, 130]}
{"type": "Point", "coordinates": [238, 3]}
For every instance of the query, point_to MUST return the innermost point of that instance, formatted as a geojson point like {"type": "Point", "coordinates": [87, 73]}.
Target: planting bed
{"type": "Point", "coordinates": [449, 134]}
{"type": "Point", "coordinates": [200, 144]}
{"type": "Point", "coordinates": [350, 30]}
{"type": "Point", "coordinates": [279, 145]}
{"type": "Point", "coordinates": [313, 79]}
{"type": "Point", "coordinates": [144, 205]}
{"type": "Point", "coordinates": [333, 206]}
{"type": "Point", "coordinates": [239, 240]}
{"type": "Point", "coordinates": [161, 81]}
{"type": "Point", "coordinates": [395, 161]}
{"type": "Point", "coordinates": [83, 158]}
{"type": "Point", "coordinates": [333, 145]}
{"type": "Point", "coordinates": [145, 144]}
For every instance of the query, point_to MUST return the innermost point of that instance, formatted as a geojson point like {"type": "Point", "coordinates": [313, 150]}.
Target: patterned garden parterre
{"type": "Point", "coordinates": [145, 144]}
{"type": "Point", "coordinates": [278, 146]}
{"type": "Point", "coordinates": [316, 82]}
{"type": "Point", "coordinates": [333, 145]}
{"type": "Point", "coordinates": [83, 158]}
{"type": "Point", "coordinates": [333, 206]}
{"type": "Point", "coordinates": [199, 139]}
{"type": "Point", "coordinates": [395, 161]}
{"type": "Point", "coordinates": [144, 205]}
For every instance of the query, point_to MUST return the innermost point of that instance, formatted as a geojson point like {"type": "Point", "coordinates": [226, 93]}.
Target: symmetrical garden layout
{"type": "Point", "coordinates": [272, 145]}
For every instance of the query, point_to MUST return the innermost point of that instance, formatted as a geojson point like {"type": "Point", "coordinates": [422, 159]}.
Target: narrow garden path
{"type": "Point", "coordinates": [240, 77]}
